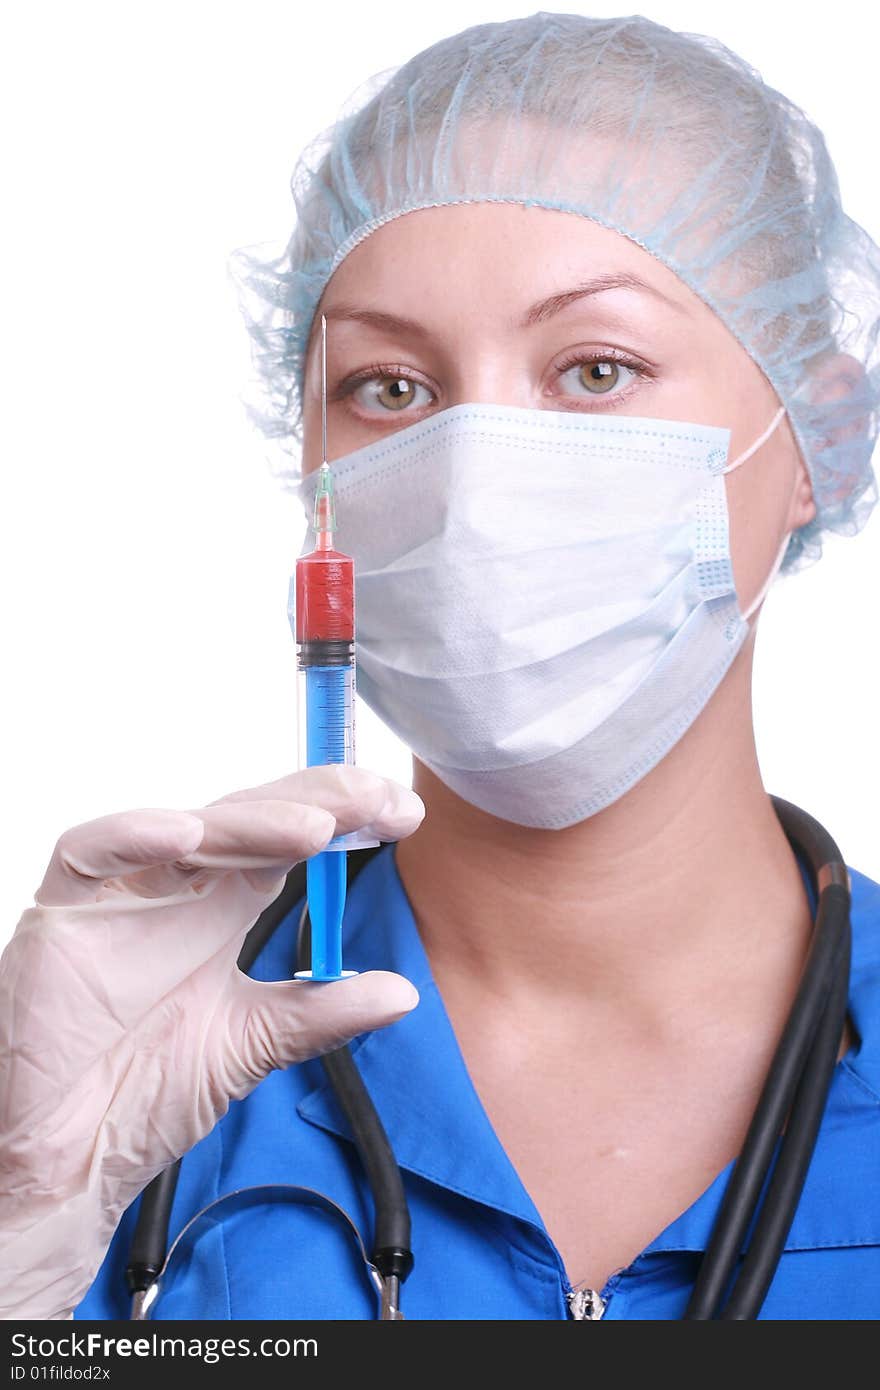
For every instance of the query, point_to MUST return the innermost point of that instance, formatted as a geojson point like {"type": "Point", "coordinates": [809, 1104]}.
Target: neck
{"type": "Point", "coordinates": [682, 894]}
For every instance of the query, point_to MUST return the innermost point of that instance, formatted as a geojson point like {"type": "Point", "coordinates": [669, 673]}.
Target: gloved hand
{"type": "Point", "coordinates": [125, 1025]}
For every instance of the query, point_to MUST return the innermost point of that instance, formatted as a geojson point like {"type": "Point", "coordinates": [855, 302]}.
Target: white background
{"type": "Point", "coordinates": [146, 548]}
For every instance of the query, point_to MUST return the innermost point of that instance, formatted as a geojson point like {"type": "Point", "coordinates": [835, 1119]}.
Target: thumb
{"type": "Point", "coordinates": [277, 1023]}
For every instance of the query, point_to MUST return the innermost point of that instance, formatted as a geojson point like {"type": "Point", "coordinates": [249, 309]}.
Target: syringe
{"type": "Point", "coordinates": [322, 618]}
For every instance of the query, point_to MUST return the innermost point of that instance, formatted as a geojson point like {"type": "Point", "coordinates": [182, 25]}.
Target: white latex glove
{"type": "Point", "coordinates": [125, 1025]}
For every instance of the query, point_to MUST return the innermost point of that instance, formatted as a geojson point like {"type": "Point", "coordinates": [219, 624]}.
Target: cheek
{"type": "Point", "coordinates": [757, 504]}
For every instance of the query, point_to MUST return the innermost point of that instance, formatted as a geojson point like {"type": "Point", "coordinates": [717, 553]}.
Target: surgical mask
{"type": "Point", "coordinates": [545, 600]}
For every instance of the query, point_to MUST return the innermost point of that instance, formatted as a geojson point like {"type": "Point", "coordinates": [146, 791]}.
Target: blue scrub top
{"type": "Point", "coordinates": [481, 1248]}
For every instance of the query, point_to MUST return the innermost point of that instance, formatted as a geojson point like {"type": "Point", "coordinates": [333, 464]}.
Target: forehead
{"type": "Point", "coordinates": [510, 247]}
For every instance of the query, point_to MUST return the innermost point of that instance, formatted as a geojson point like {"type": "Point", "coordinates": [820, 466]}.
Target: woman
{"type": "Point", "coordinates": [601, 359]}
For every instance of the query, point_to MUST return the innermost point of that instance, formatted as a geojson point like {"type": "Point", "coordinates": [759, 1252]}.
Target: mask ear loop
{"type": "Point", "coordinates": [759, 598]}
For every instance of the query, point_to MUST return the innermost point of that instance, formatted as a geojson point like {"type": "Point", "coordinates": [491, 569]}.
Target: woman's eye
{"type": "Point", "coordinates": [389, 392]}
{"type": "Point", "coordinates": [596, 376]}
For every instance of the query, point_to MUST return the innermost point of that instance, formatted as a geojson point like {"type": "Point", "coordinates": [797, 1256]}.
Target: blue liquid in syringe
{"type": "Point", "coordinates": [327, 714]}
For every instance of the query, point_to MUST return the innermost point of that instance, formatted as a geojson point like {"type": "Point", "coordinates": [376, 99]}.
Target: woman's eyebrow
{"type": "Point", "coordinates": [539, 312]}
{"type": "Point", "coordinates": [619, 280]}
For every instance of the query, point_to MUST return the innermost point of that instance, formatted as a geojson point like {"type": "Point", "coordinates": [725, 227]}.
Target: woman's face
{"type": "Point", "coordinates": [479, 303]}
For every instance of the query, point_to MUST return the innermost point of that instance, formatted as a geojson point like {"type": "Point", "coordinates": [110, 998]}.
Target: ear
{"type": "Point", "coordinates": [838, 376]}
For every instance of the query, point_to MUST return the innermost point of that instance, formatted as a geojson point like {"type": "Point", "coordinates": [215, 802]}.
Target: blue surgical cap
{"type": "Point", "coordinates": [668, 138]}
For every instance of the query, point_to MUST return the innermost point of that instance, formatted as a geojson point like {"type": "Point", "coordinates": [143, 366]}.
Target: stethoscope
{"type": "Point", "coordinates": [786, 1123]}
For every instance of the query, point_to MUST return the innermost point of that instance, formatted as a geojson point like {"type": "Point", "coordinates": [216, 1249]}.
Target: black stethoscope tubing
{"type": "Point", "coordinates": [791, 1104]}
{"type": "Point", "coordinates": [797, 1084]}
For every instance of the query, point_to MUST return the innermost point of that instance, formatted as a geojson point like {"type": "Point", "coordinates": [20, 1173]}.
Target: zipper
{"type": "Point", "coordinates": [585, 1304]}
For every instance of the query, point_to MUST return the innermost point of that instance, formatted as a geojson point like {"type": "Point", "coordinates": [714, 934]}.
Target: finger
{"type": "Point", "coordinates": [265, 838]}
{"type": "Point", "coordinates": [341, 788]}
{"type": "Point", "coordinates": [251, 835]}
{"type": "Point", "coordinates": [276, 1023]}
{"type": "Point", "coordinates": [401, 814]}
{"type": "Point", "coordinates": [151, 852]}
{"type": "Point", "coordinates": [114, 845]}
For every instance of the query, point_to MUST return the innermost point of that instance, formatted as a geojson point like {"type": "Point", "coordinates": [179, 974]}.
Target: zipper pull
{"type": "Point", "coordinates": [585, 1304]}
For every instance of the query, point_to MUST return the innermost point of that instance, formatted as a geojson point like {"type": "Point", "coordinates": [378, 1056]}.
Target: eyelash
{"type": "Point", "coordinates": [387, 369]}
